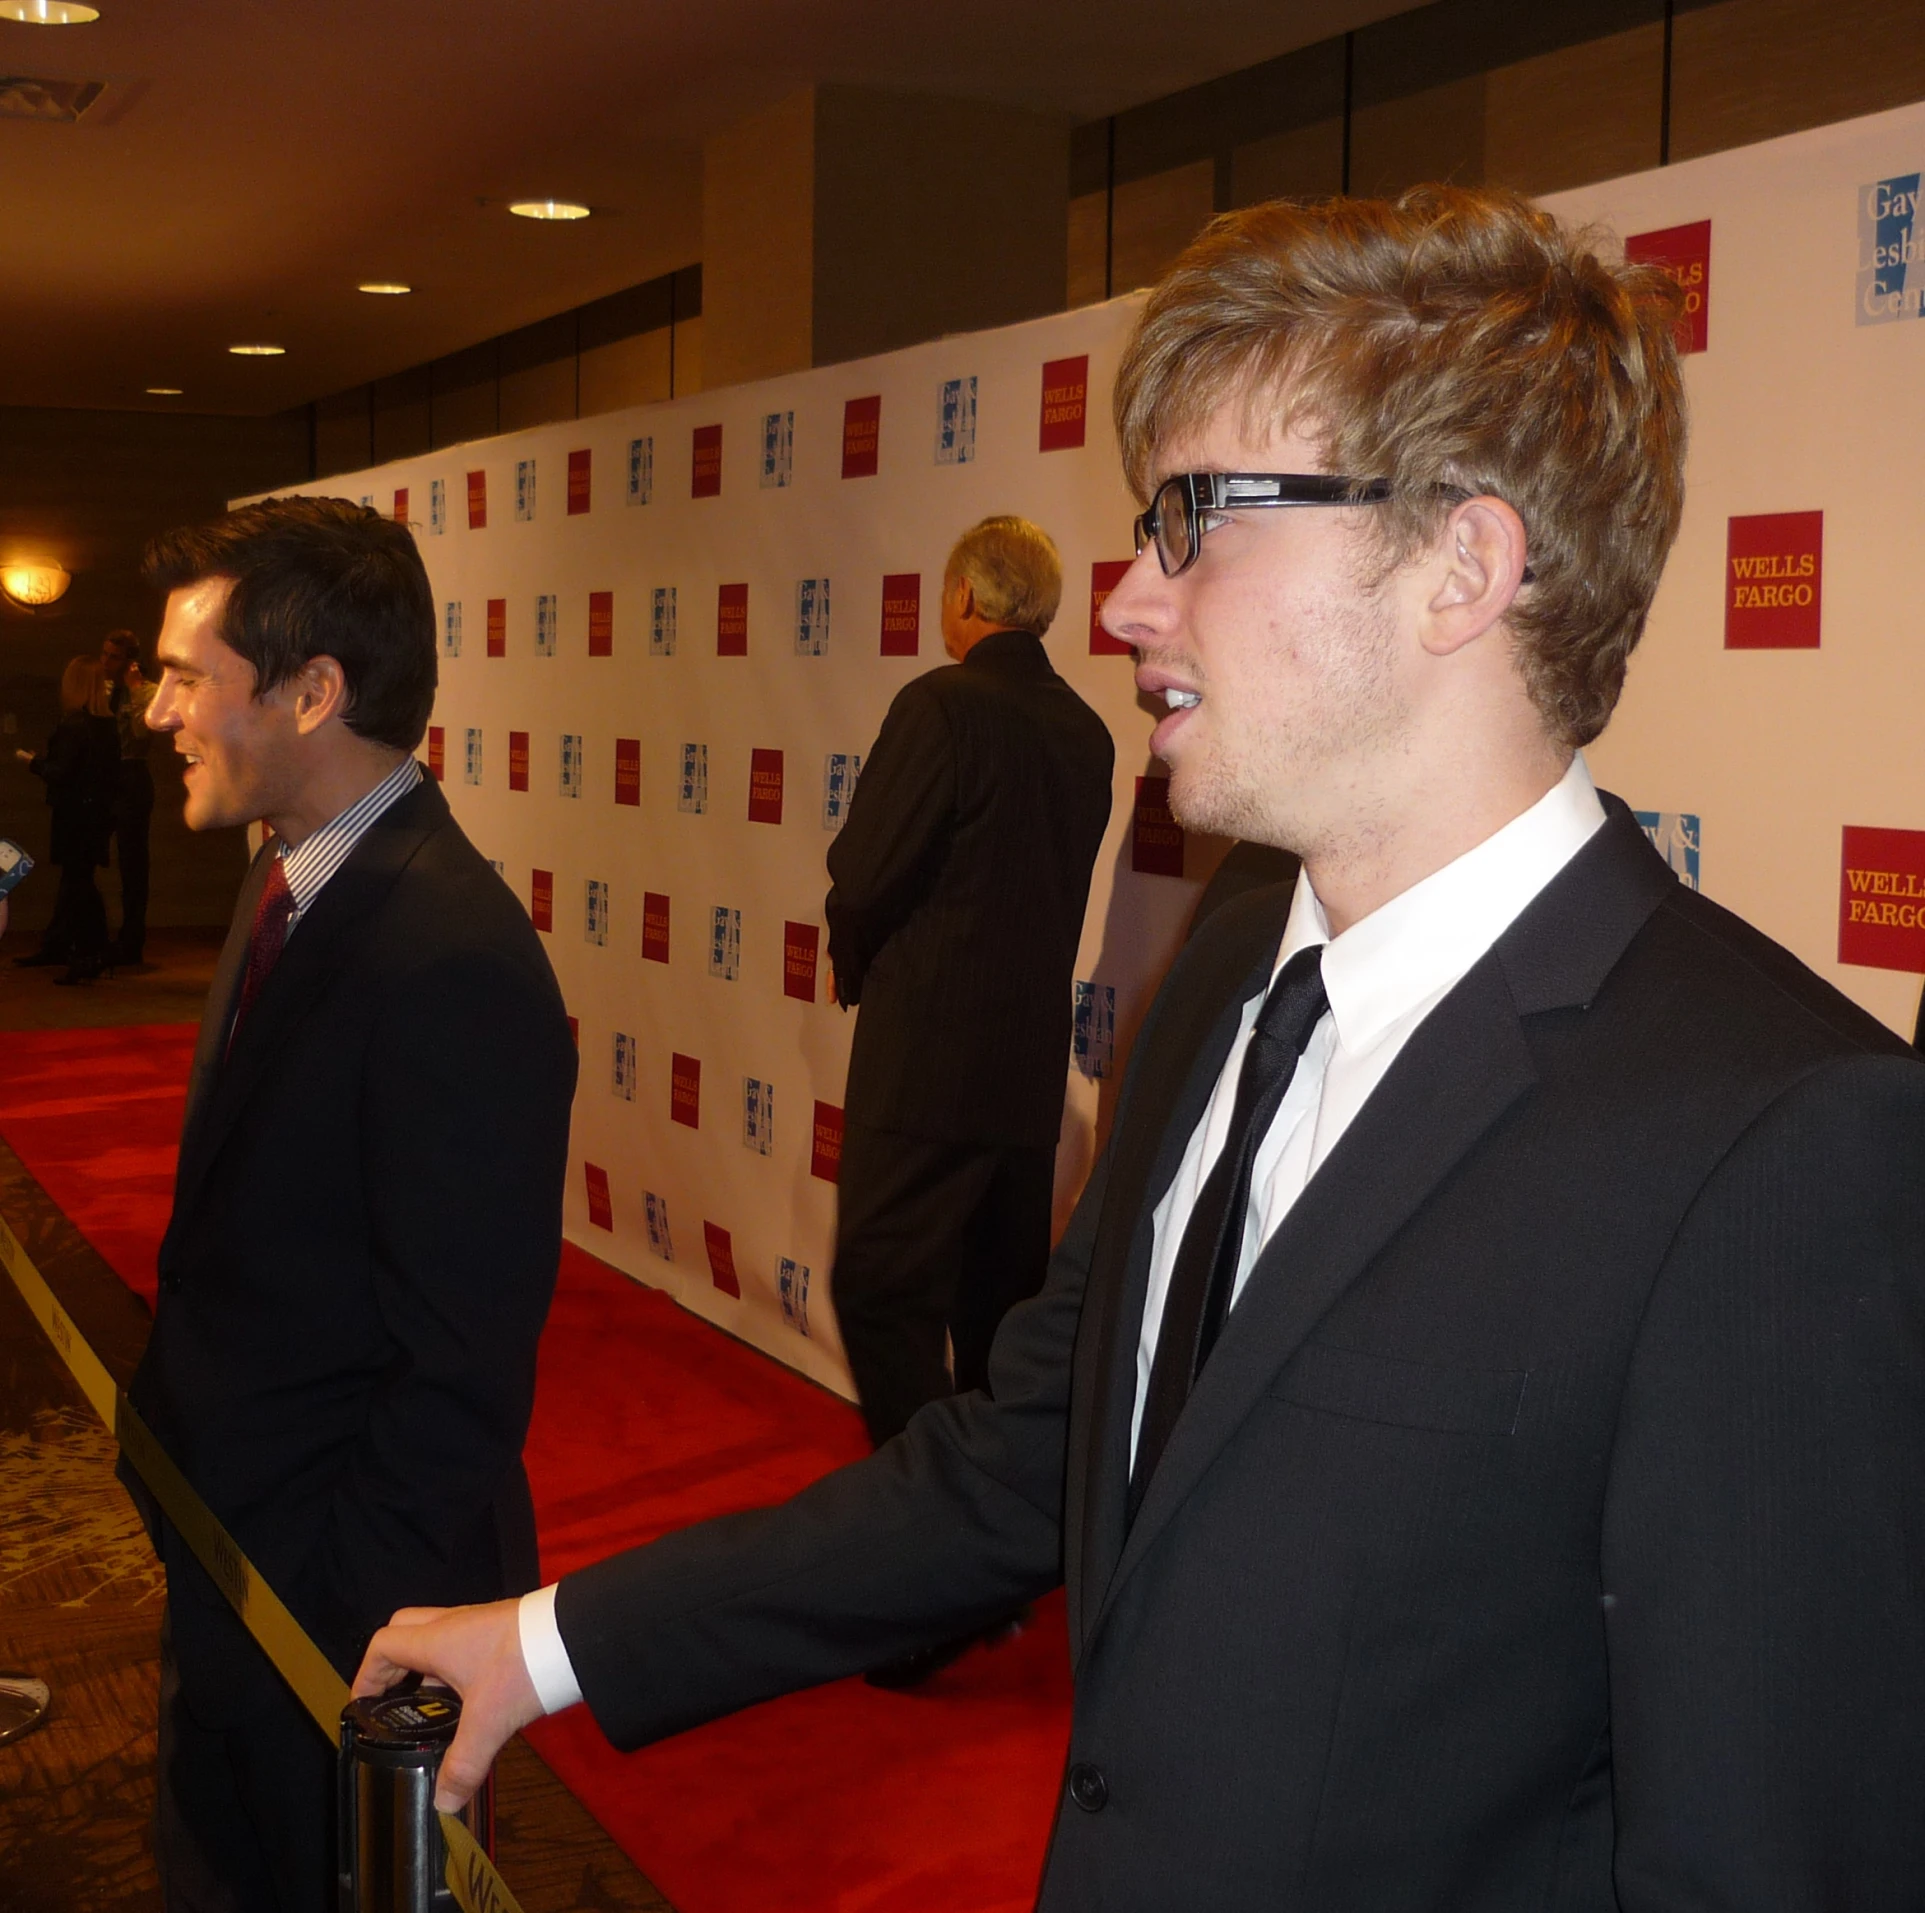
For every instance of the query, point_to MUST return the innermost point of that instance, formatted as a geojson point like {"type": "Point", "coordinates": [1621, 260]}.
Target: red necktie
{"type": "Point", "coordinates": [271, 917]}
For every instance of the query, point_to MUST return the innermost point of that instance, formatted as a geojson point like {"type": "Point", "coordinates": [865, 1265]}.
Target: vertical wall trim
{"type": "Point", "coordinates": [314, 439]}
{"type": "Point", "coordinates": [1349, 89]}
{"type": "Point", "coordinates": [1109, 207]}
{"type": "Point", "coordinates": [1664, 97]}
{"type": "Point", "coordinates": [370, 389]}
{"type": "Point", "coordinates": [671, 335]}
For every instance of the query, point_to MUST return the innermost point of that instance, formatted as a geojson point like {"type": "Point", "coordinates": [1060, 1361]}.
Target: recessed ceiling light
{"type": "Point", "coordinates": [548, 209]}
{"type": "Point", "coordinates": [163, 391]}
{"type": "Point", "coordinates": [48, 13]}
{"type": "Point", "coordinates": [389, 288]}
{"type": "Point", "coordinates": [257, 351]}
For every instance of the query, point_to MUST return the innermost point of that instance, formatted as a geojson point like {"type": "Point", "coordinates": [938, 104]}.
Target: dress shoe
{"type": "Point", "coordinates": [84, 971]}
{"type": "Point", "coordinates": [41, 960]}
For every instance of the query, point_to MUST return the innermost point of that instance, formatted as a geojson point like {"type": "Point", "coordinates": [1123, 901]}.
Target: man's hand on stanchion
{"type": "Point", "coordinates": [477, 1652]}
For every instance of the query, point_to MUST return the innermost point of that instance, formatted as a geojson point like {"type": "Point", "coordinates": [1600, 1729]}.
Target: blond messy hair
{"type": "Point", "coordinates": [1456, 342]}
{"type": "Point", "coordinates": [1014, 570]}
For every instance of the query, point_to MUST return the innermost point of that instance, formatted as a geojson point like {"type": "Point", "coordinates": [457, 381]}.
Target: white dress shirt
{"type": "Point", "coordinates": [318, 856]}
{"type": "Point", "coordinates": [1383, 976]}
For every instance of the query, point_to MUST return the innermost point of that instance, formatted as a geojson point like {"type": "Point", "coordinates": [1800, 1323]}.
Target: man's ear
{"type": "Point", "coordinates": [1477, 568]}
{"type": "Point", "coordinates": [318, 693]}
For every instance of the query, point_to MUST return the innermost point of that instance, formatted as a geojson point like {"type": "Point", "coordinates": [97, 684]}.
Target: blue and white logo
{"type": "Point", "coordinates": [725, 943]}
{"type": "Point", "coordinates": [1676, 836]}
{"type": "Point", "coordinates": [778, 449]}
{"type": "Point", "coordinates": [1093, 1039]}
{"type": "Point", "coordinates": [693, 793]}
{"type": "Point", "coordinates": [655, 1213]}
{"type": "Point", "coordinates": [437, 507]}
{"type": "Point", "coordinates": [451, 628]}
{"type": "Point", "coordinates": [1891, 251]}
{"type": "Point", "coordinates": [840, 769]}
{"type": "Point", "coordinates": [641, 470]}
{"type": "Point", "coordinates": [623, 1081]}
{"type": "Point", "coordinates": [811, 617]}
{"type": "Point", "coordinates": [547, 624]}
{"type": "Point", "coordinates": [595, 915]}
{"type": "Point", "coordinates": [661, 623]}
{"type": "Point", "coordinates": [472, 773]}
{"type": "Point", "coordinates": [792, 1291]}
{"type": "Point", "coordinates": [571, 764]}
{"type": "Point", "coordinates": [524, 490]}
{"type": "Point", "coordinates": [498, 867]}
{"type": "Point", "coordinates": [956, 421]}
{"type": "Point", "coordinates": [758, 1115]}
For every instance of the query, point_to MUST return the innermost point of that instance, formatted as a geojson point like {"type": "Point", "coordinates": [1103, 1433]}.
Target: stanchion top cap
{"type": "Point", "coordinates": [424, 1719]}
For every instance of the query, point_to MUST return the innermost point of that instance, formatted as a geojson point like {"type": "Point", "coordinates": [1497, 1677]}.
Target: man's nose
{"type": "Point", "coordinates": [1131, 611]}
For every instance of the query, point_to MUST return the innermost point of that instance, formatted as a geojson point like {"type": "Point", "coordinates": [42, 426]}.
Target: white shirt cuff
{"type": "Point", "coordinates": [543, 1653]}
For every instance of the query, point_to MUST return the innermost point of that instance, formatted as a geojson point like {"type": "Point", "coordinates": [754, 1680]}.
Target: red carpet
{"type": "Point", "coordinates": [646, 1419]}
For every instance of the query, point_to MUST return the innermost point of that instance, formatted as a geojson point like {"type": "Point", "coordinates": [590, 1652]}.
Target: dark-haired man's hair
{"type": "Point", "coordinates": [319, 577]}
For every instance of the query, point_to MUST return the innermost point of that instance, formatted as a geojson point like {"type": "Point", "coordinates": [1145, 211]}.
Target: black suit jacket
{"type": "Point", "coordinates": [366, 1229]}
{"type": "Point", "coordinates": [1545, 1531]}
{"type": "Point", "coordinates": [961, 876]}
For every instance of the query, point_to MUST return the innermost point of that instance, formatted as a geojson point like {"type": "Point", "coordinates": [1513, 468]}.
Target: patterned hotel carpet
{"type": "Point", "coordinates": [646, 1418]}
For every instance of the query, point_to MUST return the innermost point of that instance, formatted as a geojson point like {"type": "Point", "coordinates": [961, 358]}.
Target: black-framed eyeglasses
{"type": "Point", "coordinates": [1177, 518]}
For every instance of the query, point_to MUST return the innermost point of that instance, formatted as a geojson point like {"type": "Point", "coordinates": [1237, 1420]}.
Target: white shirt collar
{"type": "Point", "coordinates": [1422, 941]}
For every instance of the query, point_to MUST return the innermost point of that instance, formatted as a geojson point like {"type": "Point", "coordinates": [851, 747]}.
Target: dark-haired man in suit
{"type": "Point", "coordinates": [367, 1212]}
{"type": "Point", "coordinates": [1479, 1405]}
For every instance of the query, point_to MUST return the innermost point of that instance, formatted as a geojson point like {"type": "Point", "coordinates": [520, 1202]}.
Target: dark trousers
{"type": "Point", "coordinates": [932, 1238]}
{"type": "Point", "coordinates": [133, 818]}
{"type": "Point", "coordinates": [244, 1813]}
{"type": "Point", "coordinates": [77, 930]}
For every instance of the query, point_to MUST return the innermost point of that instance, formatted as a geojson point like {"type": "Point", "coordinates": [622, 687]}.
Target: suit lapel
{"type": "Point", "coordinates": [326, 939]}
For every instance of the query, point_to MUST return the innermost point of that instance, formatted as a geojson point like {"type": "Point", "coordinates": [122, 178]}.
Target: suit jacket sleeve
{"type": "Point", "coordinates": [1764, 1540]}
{"type": "Point", "coordinates": [956, 1521]}
{"type": "Point", "coordinates": [465, 1126]}
{"type": "Point", "coordinates": [893, 840]}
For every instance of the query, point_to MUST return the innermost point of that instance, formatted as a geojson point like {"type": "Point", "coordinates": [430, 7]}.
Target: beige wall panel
{"type": "Point", "coordinates": [1435, 134]}
{"type": "Point", "coordinates": [688, 357]}
{"type": "Point", "coordinates": [758, 244]}
{"type": "Point", "coordinates": [1088, 244]}
{"type": "Point", "coordinates": [1580, 114]}
{"type": "Point", "coordinates": [1304, 162]}
{"type": "Point", "coordinates": [931, 216]}
{"type": "Point", "coordinates": [538, 394]}
{"type": "Point", "coordinates": [1753, 69]}
{"type": "Point", "coordinates": [465, 412]}
{"type": "Point", "coordinates": [631, 371]}
{"type": "Point", "coordinates": [1156, 218]}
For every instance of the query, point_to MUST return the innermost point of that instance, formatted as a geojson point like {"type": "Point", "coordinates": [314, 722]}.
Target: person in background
{"type": "Point", "coordinates": [81, 768]}
{"type": "Point", "coordinates": [128, 696]}
{"type": "Point", "coordinates": [367, 1210]}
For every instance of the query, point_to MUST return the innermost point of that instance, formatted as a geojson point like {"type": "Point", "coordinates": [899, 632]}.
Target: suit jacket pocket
{"type": "Point", "coordinates": [1402, 1394]}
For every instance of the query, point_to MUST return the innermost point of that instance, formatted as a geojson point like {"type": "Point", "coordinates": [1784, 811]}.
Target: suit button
{"type": "Point", "coordinates": [1088, 1788]}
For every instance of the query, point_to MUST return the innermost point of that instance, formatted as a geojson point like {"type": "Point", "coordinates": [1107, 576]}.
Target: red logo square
{"type": "Point", "coordinates": [517, 760]}
{"type": "Point", "coordinates": [861, 436]}
{"type": "Point", "coordinates": [601, 1211]}
{"type": "Point", "coordinates": [497, 627]}
{"type": "Point", "coordinates": [721, 1259]}
{"type": "Point", "coordinates": [1065, 403]}
{"type": "Point", "coordinates": [1104, 576]}
{"type": "Point", "coordinates": [1156, 838]}
{"type": "Point", "coordinates": [800, 942]}
{"type": "Point", "coordinates": [1881, 899]}
{"type": "Point", "coordinates": [401, 504]}
{"type": "Point", "coordinates": [628, 770]}
{"type": "Point", "coordinates": [654, 926]}
{"type": "Point", "coordinates": [601, 624]}
{"type": "Point", "coordinates": [578, 469]}
{"type": "Point", "coordinates": [705, 472]}
{"type": "Point", "coordinates": [685, 1090]}
{"type": "Point", "coordinates": [732, 621]}
{"type": "Point", "coordinates": [765, 787]}
{"type": "Point", "coordinates": [477, 501]}
{"type": "Point", "coordinates": [825, 1152]}
{"type": "Point", "coordinates": [1685, 253]}
{"type": "Point", "coordinates": [437, 752]}
{"type": "Point", "coordinates": [1774, 574]}
{"type": "Point", "coordinates": [901, 614]}
{"type": "Point", "coordinates": [541, 899]}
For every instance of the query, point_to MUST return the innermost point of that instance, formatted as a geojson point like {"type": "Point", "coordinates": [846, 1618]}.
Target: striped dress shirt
{"type": "Point", "coordinates": [316, 858]}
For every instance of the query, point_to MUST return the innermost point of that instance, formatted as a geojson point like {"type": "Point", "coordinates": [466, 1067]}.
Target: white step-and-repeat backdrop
{"type": "Point", "coordinates": [669, 635]}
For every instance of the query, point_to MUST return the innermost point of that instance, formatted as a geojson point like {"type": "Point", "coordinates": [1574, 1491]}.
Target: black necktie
{"type": "Point", "coordinates": [1198, 1298]}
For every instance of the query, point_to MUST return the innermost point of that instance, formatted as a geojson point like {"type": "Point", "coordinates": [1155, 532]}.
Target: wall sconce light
{"type": "Point", "coordinates": [31, 585]}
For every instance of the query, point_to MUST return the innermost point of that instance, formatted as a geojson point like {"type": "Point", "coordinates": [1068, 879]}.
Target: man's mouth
{"type": "Point", "coordinates": [1182, 700]}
